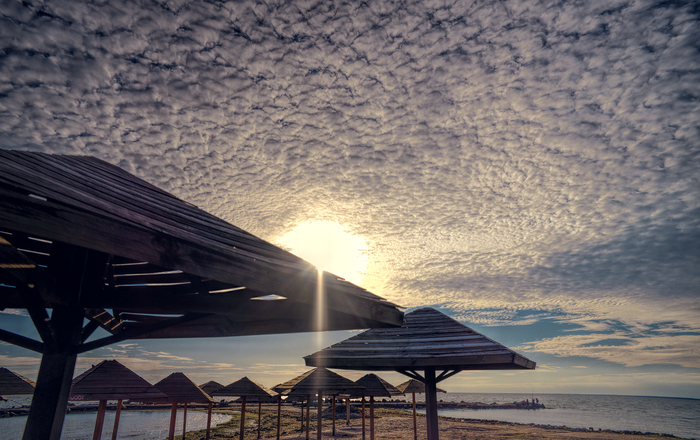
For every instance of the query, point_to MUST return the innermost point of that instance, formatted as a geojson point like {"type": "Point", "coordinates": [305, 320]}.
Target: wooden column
{"type": "Point", "coordinates": [259, 414]}
{"type": "Point", "coordinates": [173, 419]}
{"type": "Point", "coordinates": [99, 423]}
{"type": "Point", "coordinates": [302, 416]}
{"type": "Point", "coordinates": [319, 422]}
{"type": "Point", "coordinates": [415, 424]}
{"type": "Point", "coordinates": [279, 415]}
{"type": "Point", "coordinates": [308, 414]}
{"type": "Point", "coordinates": [50, 400]}
{"type": "Point", "coordinates": [333, 406]}
{"type": "Point", "coordinates": [208, 421]}
{"type": "Point", "coordinates": [347, 411]}
{"type": "Point", "coordinates": [116, 419]}
{"type": "Point", "coordinates": [184, 421]}
{"type": "Point", "coordinates": [431, 416]}
{"type": "Point", "coordinates": [371, 417]}
{"type": "Point", "coordinates": [242, 417]}
{"type": "Point", "coordinates": [363, 417]}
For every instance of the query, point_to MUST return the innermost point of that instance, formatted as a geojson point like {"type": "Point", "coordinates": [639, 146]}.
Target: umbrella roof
{"type": "Point", "coordinates": [12, 383]}
{"type": "Point", "coordinates": [427, 339]}
{"type": "Point", "coordinates": [110, 380]}
{"type": "Point", "coordinates": [210, 387]}
{"type": "Point", "coordinates": [244, 387]}
{"type": "Point", "coordinates": [376, 386]}
{"type": "Point", "coordinates": [318, 379]}
{"type": "Point", "coordinates": [414, 386]}
{"type": "Point", "coordinates": [152, 254]}
{"type": "Point", "coordinates": [179, 388]}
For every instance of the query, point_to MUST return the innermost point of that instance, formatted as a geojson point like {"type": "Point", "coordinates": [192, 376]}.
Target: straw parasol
{"type": "Point", "coordinates": [245, 387]}
{"type": "Point", "coordinates": [374, 386]}
{"type": "Point", "coordinates": [427, 341]}
{"type": "Point", "coordinates": [110, 380]}
{"type": "Point", "coordinates": [210, 387]}
{"type": "Point", "coordinates": [178, 388]}
{"type": "Point", "coordinates": [12, 383]}
{"type": "Point", "coordinates": [414, 387]}
{"type": "Point", "coordinates": [317, 381]}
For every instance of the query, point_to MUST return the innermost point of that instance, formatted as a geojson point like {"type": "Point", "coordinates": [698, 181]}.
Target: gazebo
{"type": "Point", "coordinates": [92, 242]}
{"type": "Point", "coordinates": [110, 380]}
{"type": "Point", "coordinates": [317, 381]}
{"type": "Point", "coordinates": [427, 341]}
{"type": "Point", "coordinates": [245, 387]}
{"type": "Point", "coordinates": [374, 386]}
{"type": "Point", "coordinates": [12, 383]}
{"type": "Point", "coordinates": [413, 387]}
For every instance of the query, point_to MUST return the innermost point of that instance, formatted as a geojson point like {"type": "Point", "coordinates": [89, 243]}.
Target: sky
{"type": "Point", "coordinates": [529, 168]}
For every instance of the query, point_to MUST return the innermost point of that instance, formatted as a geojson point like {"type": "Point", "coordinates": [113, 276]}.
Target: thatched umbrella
{"type": "Point", "coordinates": [178, 388]}
{"type": "Point", "coordinates": [413, 386]}
{"type": "Point", "coordinates": [317, 381]}
{"type": "Point", "coordinates": [12, 383]}
{"type": "Point", "coordinates": [374, 386]}
{"type": "Point", "coordinates": [210, 387]}
{"type": "Point", "coordinates": [110, 380]}
{"type": "Point", "coordinates": [245, 387]}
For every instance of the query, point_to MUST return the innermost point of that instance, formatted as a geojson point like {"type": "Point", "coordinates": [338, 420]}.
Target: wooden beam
{"type": "Point", "coordinates": [446, 374]}
{"type": "Point", "coordinates": [21, 341]}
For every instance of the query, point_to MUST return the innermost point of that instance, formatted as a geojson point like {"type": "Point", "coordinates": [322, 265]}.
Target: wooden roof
{"type": "Point", "coordinates": [110, 380]}
{"type": "Point", "coordinates": [427, 339]}
{"type": "Point", "coordinates": [148, 254]}
{"type": "Point", "coordinates": [414, 386]}
{"type": "Point", "coordinates": [210, 387]}
{"type": "Point", "coordinates": [12, 383]}
{"type": "Point", "coordinates": [179, 388]}
{"type": "Point", "coordinates": [318, 379]}
{"type": "Point", "coordinates": [244, 387]}
{"type": "Point", "coordinates": [376, 386]}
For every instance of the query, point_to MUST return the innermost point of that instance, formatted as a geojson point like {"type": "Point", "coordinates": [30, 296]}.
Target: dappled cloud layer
{"type": "Point", "coordinates": [495, 156]}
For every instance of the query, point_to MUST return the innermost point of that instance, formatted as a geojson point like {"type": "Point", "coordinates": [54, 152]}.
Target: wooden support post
{"type": "Point", "coordinates": [259, 414]}
{"type": "Point", "coordinates": [347, 411]}
{"type": "Point", "coordinates": [333, 406]}
{"type": "Point", "coordinates": [242, 417]}
{"type": "Point", "coordinates": [371, 417]}
{"type": "Point", "coordinates": [302, 415]}
{"type": "Point", "coordinates": [173, 419]}
{"type": "Point", "coordinates": [116, 419]}
{"type": "Point", "coordinates": [319, 422]}
{"type": "Point", "coordinates": [101, 408]}
{"type": "Point", "coordinates": [308, 414]}
{"type": "Point", "coordinates": [363, 417]}
{"type": "Point", "coordinates": [50, 400]}
{"type": "Point", "coordinates": [184, 421]}
{"type": "Point", "coordinates": [208, 421]}
{"type": "Point", "coordinates": [431, 416]}
{"type": "Point", "coordinates": [279, 415]}
{"type": "Point", "coordinates": [415, 424]}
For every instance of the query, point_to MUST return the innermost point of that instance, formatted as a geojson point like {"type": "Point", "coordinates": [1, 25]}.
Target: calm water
{"type": "Point", "coordinates": [133, 425]}
{"type": "Point", "coordinates": [679, 417]}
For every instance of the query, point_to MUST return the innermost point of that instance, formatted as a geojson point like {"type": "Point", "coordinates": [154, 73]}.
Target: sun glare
{"type": "Point", "coordinates": [329, 247]}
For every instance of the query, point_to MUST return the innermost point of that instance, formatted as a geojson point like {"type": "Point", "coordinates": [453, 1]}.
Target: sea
{"type": "Point", "coordinates": [663, 415]}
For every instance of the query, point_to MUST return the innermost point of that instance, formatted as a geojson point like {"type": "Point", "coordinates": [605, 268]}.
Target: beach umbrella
{"type": "Point", "coordinates": [317, 381]}
{"type": "Point", "coordinates": [12, 383]}
{"type": "Point", "coordinates": [245, 387]}
{"type": "Point", "coordinates": [178, 388]}
{"type": "Point", "coordinates": [374, 386]}
{"type": "Point", "coordinates": [103, 249]}
{"type": "Point", "coordinates": [414, 387]}
{"type": "Point", "coordinates": [210, 387]}
{"type": "Point", "coordinates": [427, 341]}
{"type": "Point", "coordinates": [110, 380]}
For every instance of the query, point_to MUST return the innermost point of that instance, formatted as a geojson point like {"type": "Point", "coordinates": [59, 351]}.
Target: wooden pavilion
{"type": "Point", "coordinates": [427, 341]}
{"type": "Point", "coordinates": [110, 380]}
{"type": "Point", "coordinates": [374, 386]}
{"type": "Point", "coordinates": [92, 242]}
{"type": "Point", "coordinates": [12, 383]}
{"type": "Point", "coordinates": [210, 387]}
{"type": "Point", "coordinates": [245, 387]}
{"type": "Point", "coordinates": [413, 387]}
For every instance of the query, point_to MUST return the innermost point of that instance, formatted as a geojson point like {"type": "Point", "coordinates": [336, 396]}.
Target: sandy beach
{"type": "Point", "coordinates": [397, 425]}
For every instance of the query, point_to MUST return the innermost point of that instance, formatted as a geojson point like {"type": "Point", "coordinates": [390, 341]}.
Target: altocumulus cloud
{"type": "Point", "coordinates": [505, 155]}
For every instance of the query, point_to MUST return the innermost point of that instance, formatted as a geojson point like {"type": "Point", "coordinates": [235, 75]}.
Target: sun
{"type": "Point", "coordinates": [330, 247]}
